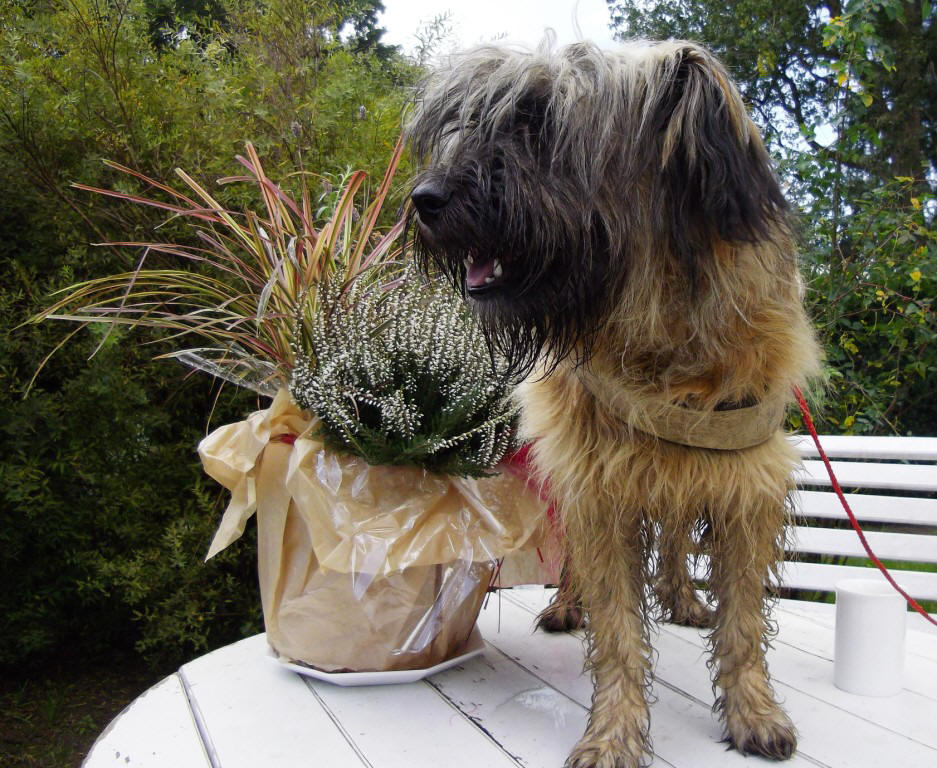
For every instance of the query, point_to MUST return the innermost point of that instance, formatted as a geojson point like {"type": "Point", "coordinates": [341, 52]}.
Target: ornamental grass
{"type": "Point", "coordinates": [395, 370]}
{"type": "Point", "coordinates": [237, 292]}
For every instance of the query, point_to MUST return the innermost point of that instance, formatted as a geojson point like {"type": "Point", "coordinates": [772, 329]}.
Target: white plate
{"type": "Point", "coordinates": [474, 646]}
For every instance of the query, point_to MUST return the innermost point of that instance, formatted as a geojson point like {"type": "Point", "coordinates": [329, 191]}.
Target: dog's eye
{"type": "Point", "coordinates": [530, 115]}
{"type": "Point", "coordinates": [531, 126]}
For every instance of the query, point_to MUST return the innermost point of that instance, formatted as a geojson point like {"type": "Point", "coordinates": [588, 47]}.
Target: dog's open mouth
{"type": "Point", "coordinates": [482, 275]}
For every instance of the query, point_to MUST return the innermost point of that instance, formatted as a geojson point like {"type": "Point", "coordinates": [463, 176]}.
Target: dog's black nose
{"type": "Point", "coordinates": [430, 198]}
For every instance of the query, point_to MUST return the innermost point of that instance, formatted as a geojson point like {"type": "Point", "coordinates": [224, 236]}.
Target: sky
{"type": "Point", "coordinates": [475, 21]}
{"type": "Point", "coordinates": [523, 21]}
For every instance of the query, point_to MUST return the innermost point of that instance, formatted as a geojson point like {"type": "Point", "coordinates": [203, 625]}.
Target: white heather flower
{"type": "Point", "coordinates": [401, 375]}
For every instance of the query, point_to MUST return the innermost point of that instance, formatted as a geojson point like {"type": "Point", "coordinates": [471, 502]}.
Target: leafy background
{"type": "Point", "coordinates": [863, 71]}
{"type": "Point", "coordinates": [105, 513]}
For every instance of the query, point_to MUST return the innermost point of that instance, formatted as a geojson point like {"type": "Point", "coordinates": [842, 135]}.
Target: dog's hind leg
{"type": "Point", "coordinates": [673, 585]}
{"type": "Point", "coordinates": [564, 613]}
{"type": "Point", "coordinates": [608, 559]}
{"type": "Point", "coordinates": [745, 548]}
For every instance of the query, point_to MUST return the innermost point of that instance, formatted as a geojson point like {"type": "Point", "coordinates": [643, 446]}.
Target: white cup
{"type": "Point", "coordinates": [870, 629]}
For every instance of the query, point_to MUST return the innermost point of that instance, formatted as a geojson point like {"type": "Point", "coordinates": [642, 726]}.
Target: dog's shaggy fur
{"type": "Point", "coordinates": [613, 217]}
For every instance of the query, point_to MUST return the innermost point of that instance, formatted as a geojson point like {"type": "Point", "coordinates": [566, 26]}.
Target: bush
{"type": "Point", "coordinates": [106, 514]}
{"type": "Point", "coordinates": [871, 279]}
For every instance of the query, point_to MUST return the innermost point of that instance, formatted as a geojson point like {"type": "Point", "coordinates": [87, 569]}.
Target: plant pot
{"type": "Point", "coordinates": [363, 568]}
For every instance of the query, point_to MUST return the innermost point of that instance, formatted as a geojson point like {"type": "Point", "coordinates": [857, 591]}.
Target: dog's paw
{"type": "Point", "coordinates": [561, 617]}
{"type": "Point", "coordinates": [693, 614]}
{"type": "Point", "coordinates": [603, 754]}
{"type": "Point", "coordinates": [772, 736]}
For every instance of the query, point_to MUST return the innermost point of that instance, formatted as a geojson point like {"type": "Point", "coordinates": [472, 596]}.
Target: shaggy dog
{"type": "Point", "coordinates": [614, 221]}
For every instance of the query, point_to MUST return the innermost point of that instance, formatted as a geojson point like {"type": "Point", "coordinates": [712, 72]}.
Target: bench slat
{"type": "Point", "coordinates": [919, 584]}
{"type": "Point", "coordinates": [866, 447]}
{"type": "Point", "coordinates": [888, 546]}
{"type": "Point", "coordinates": [498, 694]}
{"type": "Point", "coordinates": [133, 740]}
{"type": "Point", "coordinates": [379, 724]}
{"type": "Point", "coordinates": [903, 510]}
{"type": "Point", "coordinates": [237, 691]}
{"type": "Point", "coordinates": [856, 474]}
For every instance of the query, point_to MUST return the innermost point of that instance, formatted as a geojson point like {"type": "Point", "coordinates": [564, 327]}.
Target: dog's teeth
{"type": "Point", "coordinates": [497, 271]}
{"type": "Point", "coordinates": [489, 279]}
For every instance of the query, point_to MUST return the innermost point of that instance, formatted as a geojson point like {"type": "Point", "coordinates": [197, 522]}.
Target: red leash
{"type": "Point", "coordinates": [808, 420]}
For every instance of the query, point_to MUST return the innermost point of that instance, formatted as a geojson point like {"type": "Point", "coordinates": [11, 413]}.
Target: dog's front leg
{"type": "Point", "coordinates": [745, 547]}
{"type": "Point", "coordinates": [607, 554]}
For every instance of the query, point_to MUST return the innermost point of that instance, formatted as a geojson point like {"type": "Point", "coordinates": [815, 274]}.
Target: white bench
{"type": "Point", "coordinates": [878, 467]}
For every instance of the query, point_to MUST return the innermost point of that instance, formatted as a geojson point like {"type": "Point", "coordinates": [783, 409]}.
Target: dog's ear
{"type": "Point", "coordinates": [715, 176]}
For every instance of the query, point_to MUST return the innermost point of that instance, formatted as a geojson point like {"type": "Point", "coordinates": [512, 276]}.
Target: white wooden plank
{"type": "Point", "coordinates": [868, 447]}
{"type": "Point", "coordinates": [818, 640]}
{"type": "Point", "coordinates": [917, 548]}
{"type": "Point", "coordinates": [156, 730]}
{"type": "Point", "coordinates": [409, 726]}
{"type": "Point", "coordinates": [906, 510]}
{"type": "Point", "coordinates": [803, 659]}
{"type": "Point", "coordinates": [920, 638]}
{"type": "Point", "coordinates": [861, 474]}
{"type": "Point", "coordinates": [252, 712]}
{"type": "Point", "coordinates": [683, 729]}
{"type": "Point", "coordinates": [897, 730]}
{"type": "Point", "coordinates": [920, 585]}
{"type": "Point", "coordinates": [823, 715]}
{"type": "Point", "coordinates": [530, 719]}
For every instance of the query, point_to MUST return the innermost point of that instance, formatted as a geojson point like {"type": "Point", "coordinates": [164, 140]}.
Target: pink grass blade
{"type": "Point", "coordinates": [340, 223]}
{"type": "Point", "coordinates": [271, 200]}
{"type": "Point", "coordinates": [383, 246]}
{"type": "Point", "coordinates": [123, 299]}
{"type": "Point", "coordinates": [374, 210]}
{"type": "Point", "coordinates": [268, 184]}
{"type": "Point", "coordinates": [150, 181]}
{"type": "Point", "coordinates": [206, 214]}
{"type": "Point", "coordinates": [186, 252]}
{"type": "Point", "coordinates": [218, 209]}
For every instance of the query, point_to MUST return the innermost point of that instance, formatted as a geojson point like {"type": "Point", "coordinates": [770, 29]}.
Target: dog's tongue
{"type": "Point", "coordinates": [477, 273]}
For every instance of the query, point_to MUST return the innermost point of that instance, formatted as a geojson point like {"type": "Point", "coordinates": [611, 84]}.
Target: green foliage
{"type": "Point", "coordinates": [872, 296]}
{"type": "Point", "coordinates": [400, 374]}
{"type": "Point", "coordinates": [98, 479]}
{"type": "Point", "coordinates": [105, 515]}
{"type": "Point", "coordinates": [847, 97]}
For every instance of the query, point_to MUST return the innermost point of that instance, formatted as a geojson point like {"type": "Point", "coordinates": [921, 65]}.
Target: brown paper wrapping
{"type": "Point", "coordinates": [365, 567]}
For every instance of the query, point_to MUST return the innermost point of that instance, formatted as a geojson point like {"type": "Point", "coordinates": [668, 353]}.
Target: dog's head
{"type": "Point", "coordinates": [547, 171]}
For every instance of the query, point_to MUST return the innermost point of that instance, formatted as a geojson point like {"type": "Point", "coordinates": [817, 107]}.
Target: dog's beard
{"type": "Point", "coordinates": [540, 291]}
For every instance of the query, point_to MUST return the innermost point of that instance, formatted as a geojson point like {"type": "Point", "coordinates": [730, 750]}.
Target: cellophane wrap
{"type": "Point", "coordinates": [366, 568]}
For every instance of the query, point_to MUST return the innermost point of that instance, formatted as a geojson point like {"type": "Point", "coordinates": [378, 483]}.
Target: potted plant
{"type": "Point", "coordinates": [374, 471]}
